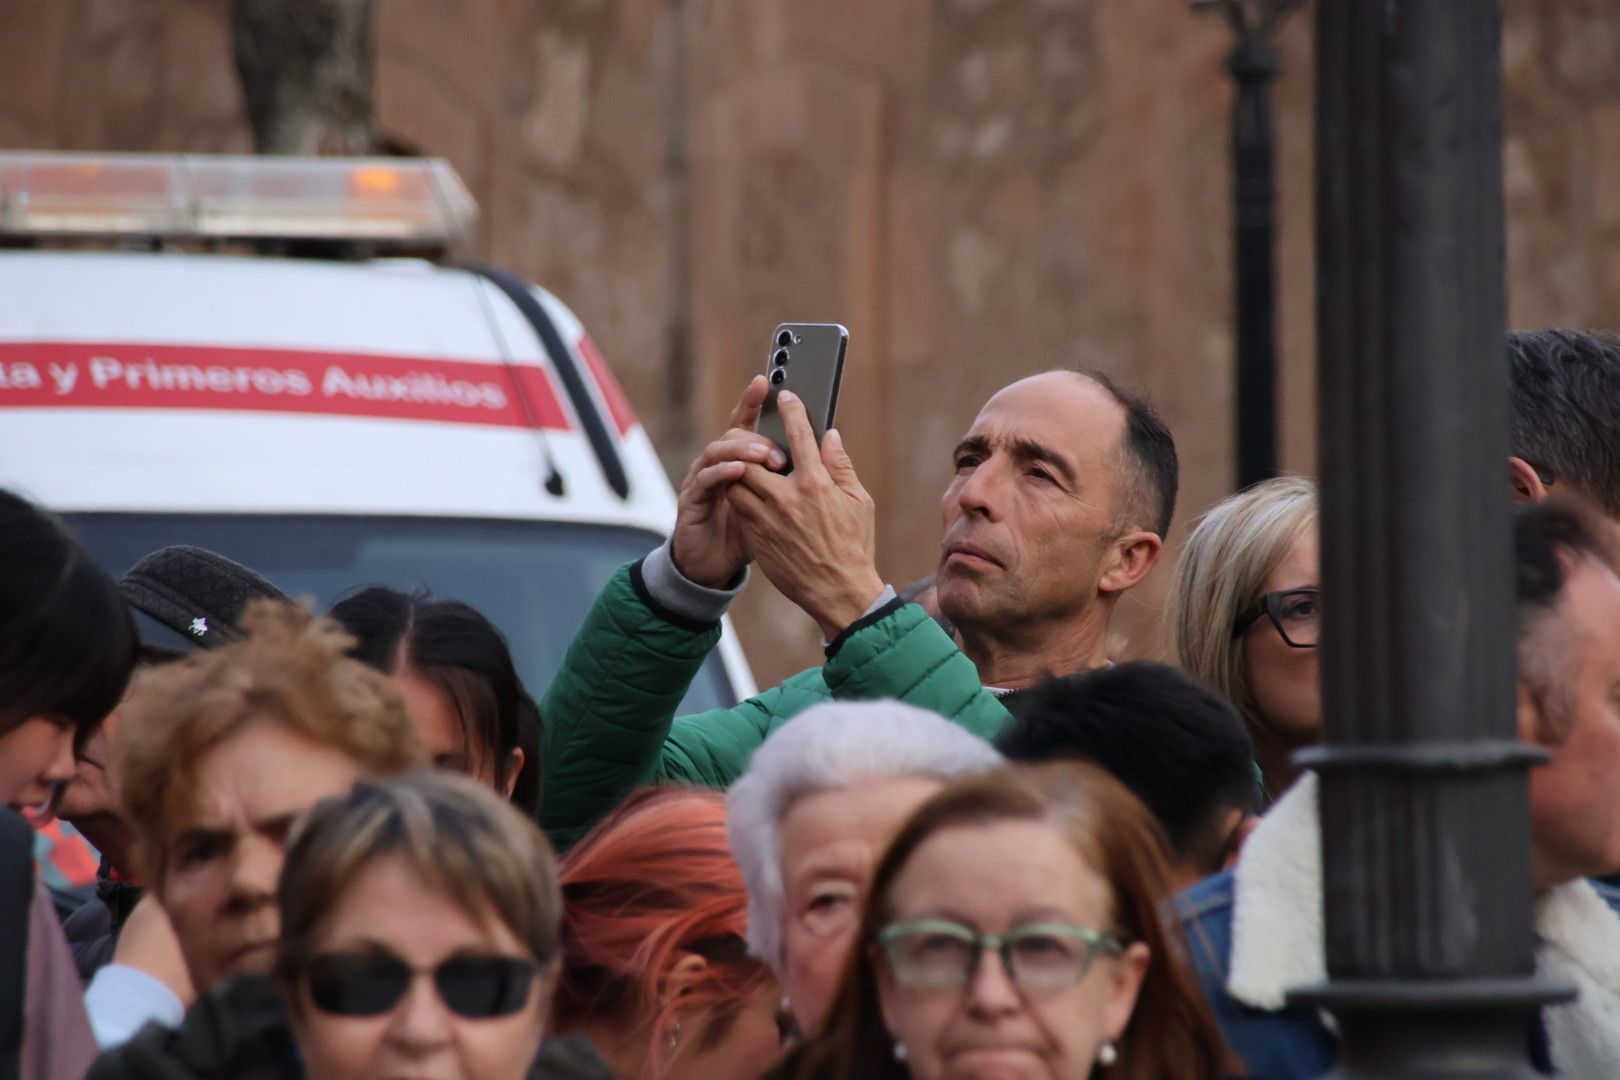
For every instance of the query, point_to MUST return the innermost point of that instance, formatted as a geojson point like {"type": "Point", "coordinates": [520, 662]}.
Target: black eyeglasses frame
{"type": "Point", "coordinates": [1270, 605]}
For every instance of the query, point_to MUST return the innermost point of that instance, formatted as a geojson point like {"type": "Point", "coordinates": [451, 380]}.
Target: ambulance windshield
{"type": "Point", "coordinates": [534, 580]}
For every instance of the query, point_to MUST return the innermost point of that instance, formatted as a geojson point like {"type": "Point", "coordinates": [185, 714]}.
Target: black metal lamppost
{"type": "Point", "coordinates": [1253, 64]}
{"type": "Point", "coordinates": [1425, 832]}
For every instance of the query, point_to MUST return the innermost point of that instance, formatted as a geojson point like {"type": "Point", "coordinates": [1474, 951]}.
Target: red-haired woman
{"type": "Point", "coordinates": [655, 966]}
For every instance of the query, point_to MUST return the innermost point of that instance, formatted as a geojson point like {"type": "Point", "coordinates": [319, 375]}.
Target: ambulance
{"type": "Point", "coordinates": [290, 362]}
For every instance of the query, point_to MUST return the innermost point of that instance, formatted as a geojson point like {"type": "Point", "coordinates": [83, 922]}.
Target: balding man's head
{"type": "Point", "coordinates": [1063, 491]}
{"type": "Point", "coordinates": [1145, 496]}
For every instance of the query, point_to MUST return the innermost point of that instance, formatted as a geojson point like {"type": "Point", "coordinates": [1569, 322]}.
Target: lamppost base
{"type": "Point", "coordinates": [1455, 1029]}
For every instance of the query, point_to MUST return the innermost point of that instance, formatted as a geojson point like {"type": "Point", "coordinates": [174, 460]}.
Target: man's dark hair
{"type": "Point", "coordinates": [454, 647]}
{"type": "Point", "coordinates": [1566, 409]}
{"type": "Point", "coordinates": [1151, 451]}
{"type": "Point", "coordinates": [67, 645]}
{"type": "Point", "coordinates": [1175, 743]}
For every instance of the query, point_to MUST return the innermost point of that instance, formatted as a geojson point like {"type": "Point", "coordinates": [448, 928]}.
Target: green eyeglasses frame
{"type": "Point", "coordinates": [1097, 943]}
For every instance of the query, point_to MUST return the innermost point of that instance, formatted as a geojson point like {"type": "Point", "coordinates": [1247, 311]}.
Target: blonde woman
{"type": "Point", "coordinates": [1245, 615]}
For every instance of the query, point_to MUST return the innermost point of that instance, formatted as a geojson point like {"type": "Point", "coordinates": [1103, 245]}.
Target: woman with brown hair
{"type": "Point", "coordinates": [1014, 929]}
{"type": "Point", "coordinates": [419, 933]}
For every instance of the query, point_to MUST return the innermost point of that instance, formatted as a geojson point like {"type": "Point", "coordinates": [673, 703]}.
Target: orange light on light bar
{"type": "Point", "coordinates": [407, 202]}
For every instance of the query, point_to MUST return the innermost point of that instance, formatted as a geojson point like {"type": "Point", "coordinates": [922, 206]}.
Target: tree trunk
{"type": "Point", "coordinates": [307, 68]}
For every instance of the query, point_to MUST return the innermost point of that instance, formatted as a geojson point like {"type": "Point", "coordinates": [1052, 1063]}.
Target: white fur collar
{"type": "Point", "coordinates": [1277, 936]}
{"type": "Point", "coordinates": [1277, 903]}
{"type": "Point", "coordinates": [1580, 942]}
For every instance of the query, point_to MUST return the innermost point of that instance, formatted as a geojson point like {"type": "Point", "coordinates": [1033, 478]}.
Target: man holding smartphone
{"type": "Point", "coordinates": [1061, 498]}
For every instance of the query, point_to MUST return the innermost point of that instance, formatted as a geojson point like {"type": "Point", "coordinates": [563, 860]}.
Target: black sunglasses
{"type": "Point", "coordinates": [372, 983]}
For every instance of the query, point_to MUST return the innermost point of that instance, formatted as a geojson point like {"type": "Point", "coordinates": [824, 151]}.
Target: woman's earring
{"type": "Point", "coordinates": [899, 1050]}
{"type": "Point", "coordinates": [1107, 1054]}
{"type": "Point", "coordinates": [674, 1037]}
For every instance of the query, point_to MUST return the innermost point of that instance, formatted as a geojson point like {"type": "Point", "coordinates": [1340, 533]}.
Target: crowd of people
{"type": "Point", "coordinates": [971, 844]}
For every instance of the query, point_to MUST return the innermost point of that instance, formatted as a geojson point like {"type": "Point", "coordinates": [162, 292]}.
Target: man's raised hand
{"type": "Point", "coordinates": [707, 546]}
{"type": "Point", "coordinates": [813, 532]}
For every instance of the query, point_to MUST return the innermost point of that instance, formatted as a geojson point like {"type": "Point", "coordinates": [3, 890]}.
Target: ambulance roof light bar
{"type": "Point", "coordinates": [396, 204]}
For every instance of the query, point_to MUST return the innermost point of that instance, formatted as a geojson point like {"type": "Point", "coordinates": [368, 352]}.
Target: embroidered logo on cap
{"type": "Point", "coordinates": [199, 627]}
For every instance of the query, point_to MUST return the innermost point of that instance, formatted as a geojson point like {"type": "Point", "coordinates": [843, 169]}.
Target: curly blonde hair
{"type": "Point", "coordinates": [291, 670]}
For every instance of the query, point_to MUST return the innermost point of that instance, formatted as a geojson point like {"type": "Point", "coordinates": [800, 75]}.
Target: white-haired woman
{"type": "Point", "coordinates": [810, 818]}
{"type": "Point", "coordinates": [1246, 614]}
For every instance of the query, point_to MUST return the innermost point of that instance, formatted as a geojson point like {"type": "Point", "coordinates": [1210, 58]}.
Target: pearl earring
{"type": "Point", "coordinates": [1107, 1054]}
{"type": "Point", "coordinates": [899, 1050]}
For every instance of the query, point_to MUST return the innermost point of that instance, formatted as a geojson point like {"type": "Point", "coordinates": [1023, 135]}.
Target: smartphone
{"type": "Point", "coordinates": [808, 359]}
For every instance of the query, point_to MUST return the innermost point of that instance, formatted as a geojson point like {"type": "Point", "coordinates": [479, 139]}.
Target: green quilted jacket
{"type": "Point", "coordinates": [609, 715]}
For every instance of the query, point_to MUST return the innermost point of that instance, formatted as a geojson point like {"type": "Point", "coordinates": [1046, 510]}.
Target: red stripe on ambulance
{"type": "Point", "coordinates": [123, 376]}
{"type": "Point", "coordinates": [624, 417]}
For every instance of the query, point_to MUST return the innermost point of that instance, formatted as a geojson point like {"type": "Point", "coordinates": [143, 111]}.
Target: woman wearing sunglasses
{"type": "Point", "coordinates": [1245, 612]}
{"type": "Point", "coordinates": [1013, 930]}
{"type": "Point", "coordinates": [419, 933]}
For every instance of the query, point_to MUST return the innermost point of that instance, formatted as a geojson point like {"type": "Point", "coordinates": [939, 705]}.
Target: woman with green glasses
{"type": "Point", "coordinates": [1013, 930]}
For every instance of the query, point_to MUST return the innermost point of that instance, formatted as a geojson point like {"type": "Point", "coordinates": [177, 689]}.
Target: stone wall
{"type": "Point", "coordinates": [979, 189]}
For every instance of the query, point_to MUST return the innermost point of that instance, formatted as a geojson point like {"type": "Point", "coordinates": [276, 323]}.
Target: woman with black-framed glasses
{"type": "Point", "coordinates": [1013, 928]}
{"type": "Point", "coordinates": [1245, 613]}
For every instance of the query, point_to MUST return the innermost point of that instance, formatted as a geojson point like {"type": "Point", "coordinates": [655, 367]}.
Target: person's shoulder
{"type": "Point", "coordinates": [238, 1029]}
{"type": "Point", "coordinates": [1203, 912]}
{"type": "Point", "coordinates": [1208, 899]}
{"type": "Point", "coordinates": [152, 1054]}
{"type": "Point", "coordinates": [1609, 893]}
{"type": "Point", "coordinates": [569, 1057]}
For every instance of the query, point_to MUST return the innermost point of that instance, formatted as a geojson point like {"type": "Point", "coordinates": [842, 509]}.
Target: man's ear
{"type": "Point", "coordinates": [1133, 556]}
{"type": "Point", "coordinates": [1243, 830]}
{"type": "Point", "coordinates": [514, 765]}
{"type": "Point", "coordinates": [1526, 484]}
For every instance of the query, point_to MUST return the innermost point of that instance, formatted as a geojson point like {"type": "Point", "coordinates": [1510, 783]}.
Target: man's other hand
{"type": "Point", "coordinates": [814, 531]}
{"type": "Point", "coordinates": [707, 546]}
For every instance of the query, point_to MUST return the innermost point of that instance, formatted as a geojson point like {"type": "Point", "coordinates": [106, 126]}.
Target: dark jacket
{"type": "Point", "coordinates": [236, 1030]}
{"type": "Point", "coordinates": [239, 1031]}
{"type": "Point", "coordinates": [610, 723]}
{"type": "Point", "coordinates": [92, 930]}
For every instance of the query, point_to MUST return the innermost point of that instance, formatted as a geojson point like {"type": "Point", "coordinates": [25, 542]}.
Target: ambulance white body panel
{"type": "Point", "coordinates": [334, 424]}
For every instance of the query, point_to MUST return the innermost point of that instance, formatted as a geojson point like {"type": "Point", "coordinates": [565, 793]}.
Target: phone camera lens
{"type": "Point", "coordinates": [784, 339]}
{"type": "Point", "coordinates": [781, 358]}
{"type": "Point", "coordinates": [778, 377]}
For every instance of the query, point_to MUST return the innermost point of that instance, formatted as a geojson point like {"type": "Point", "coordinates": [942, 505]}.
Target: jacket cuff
{"type": "Point", "coordinates": [670, 592]}
{"type": "Point", "coordinates": [887, 603]}
{"type": "Point", "coordinates": [120, 1000]}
